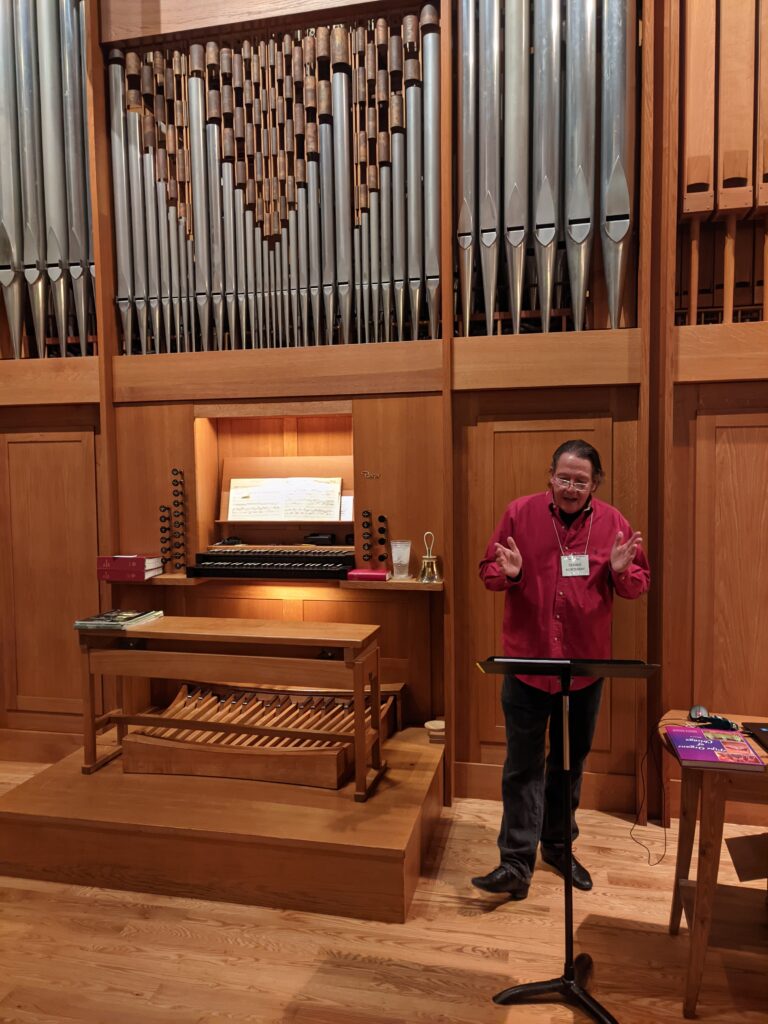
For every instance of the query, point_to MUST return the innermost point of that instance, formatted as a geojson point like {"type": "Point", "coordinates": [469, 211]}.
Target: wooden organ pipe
{"type": "Point", "coordinates": [735, 137]}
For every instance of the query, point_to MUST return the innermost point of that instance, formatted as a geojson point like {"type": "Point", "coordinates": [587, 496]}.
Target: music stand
{"type": "Point", "coordinates": [566, 985]}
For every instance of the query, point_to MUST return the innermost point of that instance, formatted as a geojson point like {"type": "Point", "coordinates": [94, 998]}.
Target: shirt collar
{"type": "Point", "coordinates": [588, 510]}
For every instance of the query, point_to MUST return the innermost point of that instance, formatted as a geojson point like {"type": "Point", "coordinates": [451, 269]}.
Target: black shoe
{"type": "Point", "coordinates": [581, 877]}
{"type": "Point", "coordinates": [502, 879]}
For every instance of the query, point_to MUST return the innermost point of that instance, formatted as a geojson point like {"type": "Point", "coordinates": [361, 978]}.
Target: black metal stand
{"type": "Point", "coordinates": [568, 986]}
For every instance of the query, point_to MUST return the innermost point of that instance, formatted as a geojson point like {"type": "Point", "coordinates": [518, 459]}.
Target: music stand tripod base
{"type": "Point", "coordinates": [569, 989]}
{"type": "Point", "coordinates": [567, 986]}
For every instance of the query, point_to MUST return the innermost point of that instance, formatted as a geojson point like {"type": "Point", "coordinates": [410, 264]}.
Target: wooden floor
{"type": "Point", "coordinates": [259, 843]}
{"type": "Point", "coordinates": [71, 953]}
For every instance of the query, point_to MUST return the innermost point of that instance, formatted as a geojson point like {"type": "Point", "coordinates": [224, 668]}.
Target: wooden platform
{"type": "Point", "coordinates": [225, 839]}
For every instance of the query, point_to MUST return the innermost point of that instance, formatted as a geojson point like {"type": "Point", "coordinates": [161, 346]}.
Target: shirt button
{"type": "Point", "coordinates": [560, 593]}
{"type": "Point", "coordinates": [557, 616]}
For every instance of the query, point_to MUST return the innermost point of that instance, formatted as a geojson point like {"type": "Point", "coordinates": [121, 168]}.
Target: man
{"type": "Point", "coordinates": [559, 556]}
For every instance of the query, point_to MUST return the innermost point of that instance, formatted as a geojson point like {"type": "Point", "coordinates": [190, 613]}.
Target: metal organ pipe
{"type": "Point", "coordinates": [120, 187]}
{"type": "Point", "coordinates": [546, 146]}
{"type": "Point", "coordinates": [75, 156]}
{"type": "Point", "coordinates": [580, 100]}
{"type": "Point", "coordinates": [430, 48]}
{"type": "Point", "coordinates": [516, 148]}
{"type": "Point", "coordinates": [617, 146]}
{"type": "Point", "coordinates": [289, 189]}
{"type": "Point", "coordinates": [11, 219]}
{"type": "Point", "coordinates": [467, 176]}
{"type": "Point", "coordinates": [489, 45]}
{"type": "Point", "coordinates": [31, 164]}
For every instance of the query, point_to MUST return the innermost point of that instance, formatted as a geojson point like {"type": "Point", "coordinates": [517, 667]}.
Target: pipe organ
{"type": "Point", "coordinates": [281, 191]}
{"type": "Point", "coordinates": [46, 254]}
{"type": "Point", "coordinates": [723, 241]}
{"type": "Point", "coordinates": [536, 168]}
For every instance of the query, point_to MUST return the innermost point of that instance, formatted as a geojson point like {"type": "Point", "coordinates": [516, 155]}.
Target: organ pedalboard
{"type": "Point", "coordinates": [275, 562]}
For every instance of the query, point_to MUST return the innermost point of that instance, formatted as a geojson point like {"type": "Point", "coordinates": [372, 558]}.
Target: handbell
{"type": "Point", "coordinates": [429, 573]}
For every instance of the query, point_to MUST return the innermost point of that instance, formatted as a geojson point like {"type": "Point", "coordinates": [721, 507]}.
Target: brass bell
{"type": "Point", "coordinates": [429, 572]}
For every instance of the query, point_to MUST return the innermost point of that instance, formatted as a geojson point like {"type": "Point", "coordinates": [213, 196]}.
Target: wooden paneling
{"type": "Point", "coordinates": [47, 579]}
{"type": "Point", "coordinates": [405, 638]}
{"type": "Point", "coordinates": [498, 457]}
{"type": "Point", "coordinates": [246, 434]}
{"type": "Point", "coordinates": [715, 352]}
{"type": "Point", "coordinates": [398, 452]}
{"type": "Point", "coordinates": [731, 581]}
{"type": "Point", "coordinates": [285, 373]}
{"type": "Point", "coordinates": [49, 381]}
{"type": "Point", "coordinates": [548, 360]}
{"type": "Point", "coordinates": [136, 19]}
{"type": "Point", "coordinates": [714, 597]}
{"type": "Point", "coordinates": [151, 440]}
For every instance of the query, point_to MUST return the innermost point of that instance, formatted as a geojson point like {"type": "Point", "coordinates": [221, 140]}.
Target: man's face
{"type": "Point", "coordinates": [572, 482]}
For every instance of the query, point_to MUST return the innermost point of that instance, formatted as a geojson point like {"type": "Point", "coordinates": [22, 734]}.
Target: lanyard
{"type": "Point", "coordinates": [589, 534]}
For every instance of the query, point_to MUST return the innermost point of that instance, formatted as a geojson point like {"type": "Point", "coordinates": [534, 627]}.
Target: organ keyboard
{"type": "Point", "coordinates": [274, 561]}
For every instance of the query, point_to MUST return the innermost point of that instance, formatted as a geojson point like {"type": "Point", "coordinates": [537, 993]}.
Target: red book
{"type": "Point", "coordinates": [120, 575]}
{"type": "Point", "coordinates": [124, 563]}
{"type": "Point", "coordinates": [369, 574]}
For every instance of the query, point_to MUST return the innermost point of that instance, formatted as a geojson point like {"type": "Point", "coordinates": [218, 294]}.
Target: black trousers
{"type": "Point", "coordinates": [531, 791]}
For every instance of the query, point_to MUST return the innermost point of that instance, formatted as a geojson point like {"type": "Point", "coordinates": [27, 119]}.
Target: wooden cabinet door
{"type": "Point", "coordinates": [507, 458]}
{"type": "Point", "coordinates": [731, 563]}
{"type": "Point", "coordinates": [520, 452]}
{"type": "Point", "coordinates": [48, 535]}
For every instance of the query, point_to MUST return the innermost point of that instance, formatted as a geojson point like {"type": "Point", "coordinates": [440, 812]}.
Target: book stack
{"type": "Point", "coordinates": [711, 748]}
{"type": "Point", "coordinates": [128, 568]}
{"type": "Point", "coordinates": [435, 730]}
{"type": "Point", "coordinates": [117, 619]}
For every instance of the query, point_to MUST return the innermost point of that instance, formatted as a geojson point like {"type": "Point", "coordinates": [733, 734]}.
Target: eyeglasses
{"type": "Point", "coordinates": [577, 485]}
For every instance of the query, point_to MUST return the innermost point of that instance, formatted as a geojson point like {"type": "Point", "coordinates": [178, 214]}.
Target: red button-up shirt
{"type": "Point", "coordinates": [546, 614]}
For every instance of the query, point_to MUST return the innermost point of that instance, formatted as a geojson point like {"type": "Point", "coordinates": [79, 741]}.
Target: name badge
{"type": "Point", "coordinates": [574, 565]}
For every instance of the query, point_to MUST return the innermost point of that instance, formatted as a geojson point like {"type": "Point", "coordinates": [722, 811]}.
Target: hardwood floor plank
{"type": "Point", "coordinates": [96, 956]}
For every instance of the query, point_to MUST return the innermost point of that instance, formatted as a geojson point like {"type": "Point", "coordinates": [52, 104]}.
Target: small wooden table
{"type": "Point", "coordinates": [715, 786]}
{"type": "Point", "coordinates": [237, 651]}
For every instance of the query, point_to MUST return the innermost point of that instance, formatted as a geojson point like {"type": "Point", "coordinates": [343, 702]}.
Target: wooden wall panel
{"type": "Point", "coordinates": [294, 374]}
{"type": "Point", "coordinates": [151, 440]}
{"type": "Point", "coordinates": [715, 596]}
{"type": "Point", "coordinates": [404, 617]}
{"type": "Point", "coordinates": [731, 580]}
{"type": "Point", "coordinates": [252, 436]}
{"type": "Point", "coordinates": [405, 637]}
{"type": "Point", "coordinates": [137, 19]}
{"type": "Point", "coordinates": [500, 456]}
{"type": "Point", "coordinates": [48, 578]}
{"type": "Point", "coordinates": [398, 451]}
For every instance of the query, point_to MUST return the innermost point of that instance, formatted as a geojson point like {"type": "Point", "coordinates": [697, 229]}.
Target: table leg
{"type": "Point", "coordinates": [361, 754]}
{"type": "Point", "coordinates": [122, 729]}
{"type": "Point", "coordinates": [372, 669]}
{"type": "Point", "coordinates": [713, 787]}
{"type": "Point", "coordinates": [89, 710]}
{"type": "Point", "coordinates": [689, 800]}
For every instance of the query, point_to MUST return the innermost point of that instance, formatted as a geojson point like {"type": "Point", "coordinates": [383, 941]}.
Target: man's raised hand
{"type": "Point", "coordinates": [509, 559]}
{"type": "Point", "coordinates": [623, 554]}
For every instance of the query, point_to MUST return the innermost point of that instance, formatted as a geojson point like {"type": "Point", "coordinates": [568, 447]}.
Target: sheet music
{"type": "Point", "coordinates": [285, 499]}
